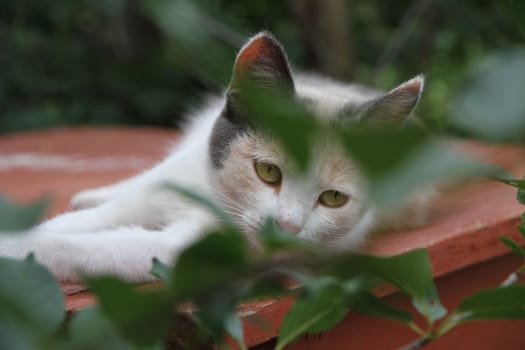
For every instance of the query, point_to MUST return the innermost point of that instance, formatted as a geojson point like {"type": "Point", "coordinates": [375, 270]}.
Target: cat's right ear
{"type": "Point", "coordinates": [262, 65]}
{"type": "Point", "coordinates": [395, 106]}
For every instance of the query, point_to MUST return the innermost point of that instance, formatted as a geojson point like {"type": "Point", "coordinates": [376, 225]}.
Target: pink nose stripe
{"type": "Point", "coordinates": [288, 226]}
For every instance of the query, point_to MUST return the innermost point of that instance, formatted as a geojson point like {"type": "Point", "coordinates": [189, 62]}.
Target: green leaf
{"type": "Point", "coordinates": [430, 306]}
{"type": "Point", "coordinates": [411, 272]}
{"type": "Point", "coordinates": [284, 118]}
{"type": "Point", "coordinates": [162, 271]}
{"type": "Point", "coordinates": [30, 294]}
{"type": "Point", "coordinates": [397, 162]}
{"type": "Point", "coordinates": [15, 335]}
{"type": "Point", "coordinates": [315, 312]}
{"type": "Point", "coordinates": [141, 317]}
{"type": "Point", "coordinates": [520, 184]}
{"type": "Point", "coordinates": [20, 218]}
{"type": "Point", "coordinates": [233, 327]}
{"type": "Point", "coordinates": [216, 310]}
{"type": "Point", "coordinates": [516, 248]}
{"type": "Point", "coordinates": [521, 195]}
{"type": "Point", "coordinates": [90, 329]}
{"type": "Point", "coordinates": [380, 150]}
{"type": "Point", "coordinates": [521, 228]}
{"type": "Point", "coordinates": [274, 239]}
{"type": "Point", "coordinates": [209, 261]}
{"type": "Point", "coordinates": [359, 283]}
{"type": "Point", "coordinates": [517, 11]}
{"type": "Point", "coordinates": [499, 303]}
{"type": "Point", "coordinates": [491, 104]}
{"type": "Point", "coordinates": [371, 305]}
{"type": "Point", "coordinates": [417, 171]}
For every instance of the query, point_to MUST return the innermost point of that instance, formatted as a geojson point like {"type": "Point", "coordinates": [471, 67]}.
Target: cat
{"type": "Point", "coordinates": [118, 229]}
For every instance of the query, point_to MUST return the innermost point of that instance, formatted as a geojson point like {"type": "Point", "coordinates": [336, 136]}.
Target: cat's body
{"type": "Point", "coordinates": [118, 229]}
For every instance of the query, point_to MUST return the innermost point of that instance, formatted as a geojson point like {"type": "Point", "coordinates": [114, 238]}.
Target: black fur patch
{"type": "Point", "coordinates": [227, 128]}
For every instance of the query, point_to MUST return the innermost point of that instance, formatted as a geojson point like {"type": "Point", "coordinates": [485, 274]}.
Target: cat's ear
{"type": "Point", "coordinates": [396, 105]}
{"type": "Point", "coordinates": [262, 64]}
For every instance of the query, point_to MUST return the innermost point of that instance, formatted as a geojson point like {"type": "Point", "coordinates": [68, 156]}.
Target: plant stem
{"type": "Point", "coordinates": [513, 277]}
{"type": "Point", "coordinates": [417, 329]}
{"type": "Point", "coordinates": [416, 344]}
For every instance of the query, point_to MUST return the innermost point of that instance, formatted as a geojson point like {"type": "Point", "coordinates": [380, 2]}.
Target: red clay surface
{"type": "Point", "coordinates": [134, 149]}
{"type": "Point", "coordinates": [463, 232]}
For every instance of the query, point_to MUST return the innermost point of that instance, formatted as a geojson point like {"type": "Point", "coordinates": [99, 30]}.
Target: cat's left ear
{"type": "Point", "coordinates": [262, 64]}
{"type": "Point", "coordinates": [396, 105]}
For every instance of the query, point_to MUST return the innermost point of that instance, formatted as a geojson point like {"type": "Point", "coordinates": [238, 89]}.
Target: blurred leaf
{"type": "Point", "coordinates": [520, 185]}
{"type": "Point", "coordinates": [512, 182]}
{"type": "Point", "coordinates": [367, 303]}
{"type": "Point", "coordinates": [360, 282]}
{"type": "Point", "coordinates": [233, 326]}
{"type": "Point", "coordinates": [411, 272]}
{"type": "Point", "coordinates": [216, 257]}
{"type": "Point", "coordinates": [380, 151]}
{"type": "Point", "coordinates": [19, 218]}
{"type": "Point", "coordinates": [408, 168]}
{"type": "Point", "coordinates": [162, 271]}
{"type": "Point", "coordinates": [141, 317]}
{"type": "Point", "coordinates": [518, 12]}
{"type": "Point", "coordinates": [491, 104]}
{"type": "Point", "coordinates": [196, 35]}
{"type": "Point", "coordinates": [521, 194]}
{"type": "Point", "coordinates": [521, 228]}
{"type": "Point", "coordinates": [30, 294]}
{"type": "Point", "coordinates": [516, 248]}
{"type": "Point", "coordinates": [284, 118]}
{"type": "Point", "coordinates": [314, 313]}
{"type": "Point", "coordinates": [499, 303]}
{"type": "Point", "coordinates": [13, 335]}
{"type": "Point", "coordinates": [216, 311]}
{"type": "Point", "coordinates": [90, 329]}
{"type": "Point", "coordinates": [273, 239]}
{"type": "Point", "coordinates": [430, 306]}
{"type": "Point", "coordinates": [216, 314]}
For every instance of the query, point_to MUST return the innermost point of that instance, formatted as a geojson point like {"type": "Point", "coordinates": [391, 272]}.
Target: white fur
{"type": "Point", "coordinates": [123, 226]}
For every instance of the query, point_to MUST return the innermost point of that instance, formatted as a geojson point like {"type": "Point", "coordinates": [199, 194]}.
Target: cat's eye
{"type": "Point", "coordinates": [333, 198]}
{"type": "Point", "coordinates": [269, 173]}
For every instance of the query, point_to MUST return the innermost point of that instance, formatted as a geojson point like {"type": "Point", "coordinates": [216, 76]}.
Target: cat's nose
{"type": "Point", "coordinates": [288, 226]}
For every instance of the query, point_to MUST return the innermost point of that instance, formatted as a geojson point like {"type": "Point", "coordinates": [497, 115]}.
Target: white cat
{"type": "Point", "coordinates": [118, 229]}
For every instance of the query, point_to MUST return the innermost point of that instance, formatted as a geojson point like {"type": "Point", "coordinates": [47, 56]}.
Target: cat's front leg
{"type": "Point", "coordinates": [152, 207]}
{"type": "Point", "coordinates": [126, 252]}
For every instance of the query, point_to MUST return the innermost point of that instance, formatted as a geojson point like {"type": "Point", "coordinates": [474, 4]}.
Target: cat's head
{"type": "Point", "coordinates": [254, 178]}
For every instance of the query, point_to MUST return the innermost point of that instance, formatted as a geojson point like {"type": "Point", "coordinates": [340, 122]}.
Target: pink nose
{"type": "Point", "coordinates": [288, 226]}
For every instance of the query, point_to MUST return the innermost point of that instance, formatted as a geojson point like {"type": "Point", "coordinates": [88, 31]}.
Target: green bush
{"type": "Point", "coordinates": [146, 62]}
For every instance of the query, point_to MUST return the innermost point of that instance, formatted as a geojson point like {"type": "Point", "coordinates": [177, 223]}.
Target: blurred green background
{"type": "Point", "coordinates": [144, 62]}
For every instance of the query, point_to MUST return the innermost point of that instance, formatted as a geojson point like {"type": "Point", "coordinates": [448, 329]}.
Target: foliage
{"type": "Point", "coordinates": [13, 219]}
{"type": "Point", "coordinates": [142, 62]}
{"type": "Point", "coordinates": [331, 285]}
{"type": "Point", "coordinates": [218, 272]}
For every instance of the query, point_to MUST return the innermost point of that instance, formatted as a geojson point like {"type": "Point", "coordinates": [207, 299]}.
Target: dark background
{"type": "Point", "coordinates": [66, 62]}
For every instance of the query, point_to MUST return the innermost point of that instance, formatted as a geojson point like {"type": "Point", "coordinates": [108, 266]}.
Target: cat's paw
{"type": "Point", "coordinates": [89, 199]}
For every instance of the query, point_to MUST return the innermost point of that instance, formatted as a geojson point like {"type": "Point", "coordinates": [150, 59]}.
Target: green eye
{"type": "Point", "coordinates": [268, 173]}
{"type": "Point", "coordinates": [333, 198]}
